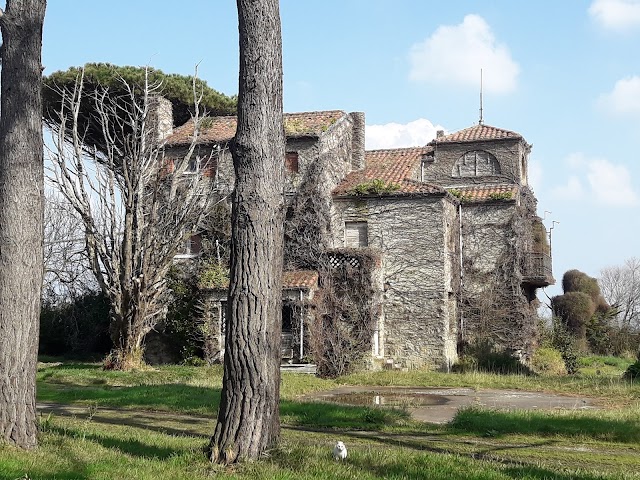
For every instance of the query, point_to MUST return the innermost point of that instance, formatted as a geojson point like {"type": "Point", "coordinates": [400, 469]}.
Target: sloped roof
{"type": "Point", "coordinates": [293, 279]}
{"type": "Point", "coordinates": [483, 193]}
{"type": "Point", "coordinates": [223, 129]}
{"type": "Point", "coordinates": [303, 279]}
{"type": "Point", "coordinates": [396, 166]}
{"type": "Point", "coordinates": [477, 133]}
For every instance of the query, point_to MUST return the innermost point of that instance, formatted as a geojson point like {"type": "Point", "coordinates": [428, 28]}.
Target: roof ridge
{"type": "Point", "coordinates": [477, 132]}
{"type": "Point", "coordinates": [400, 149]}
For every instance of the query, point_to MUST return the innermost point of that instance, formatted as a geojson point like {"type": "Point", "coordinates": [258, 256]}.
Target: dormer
{"type": "Point", "coordinates": [478, 154]}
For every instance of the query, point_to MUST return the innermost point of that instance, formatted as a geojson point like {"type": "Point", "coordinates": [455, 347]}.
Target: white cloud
{"type": "Point", "coordinates": [624, 98]}
{"type": "Point", "coordinates": [572, 190]}
{"type": "Point", "coordinates": [455, 54]}
{"type": "Point", "coordinates": [600, 180]}
{"type": "Point", "coordinates": [616, 15]}
{"type": "Point", "coordinates": [396, 135]}
{"type": "Point", "coordinates": [611, 183]}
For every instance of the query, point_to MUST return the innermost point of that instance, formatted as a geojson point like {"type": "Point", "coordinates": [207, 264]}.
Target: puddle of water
{"type": "Point", "coordinates": [387, 399]}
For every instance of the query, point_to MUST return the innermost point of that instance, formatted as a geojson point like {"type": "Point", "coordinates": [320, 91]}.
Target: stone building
{"type": "Point", "coordinates": [452, 225]}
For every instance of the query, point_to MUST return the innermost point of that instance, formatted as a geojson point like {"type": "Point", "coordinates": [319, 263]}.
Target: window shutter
{"type": "Point", "coordinates": [356, 234]}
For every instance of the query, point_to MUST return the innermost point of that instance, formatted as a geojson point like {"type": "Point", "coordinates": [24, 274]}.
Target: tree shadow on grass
{"type": "Point", "coordinates": [171, 397]}
{"type": "Point", "coordinates": [428, 466]}
{"type": "Point", "coordinates": [161, 422]}
{"type": "Point", "coordinates": [331, 415]}
{"type": "Point", "coordinates": [497, 423]}
{"type": "Point", "coordinates": [129, 446]}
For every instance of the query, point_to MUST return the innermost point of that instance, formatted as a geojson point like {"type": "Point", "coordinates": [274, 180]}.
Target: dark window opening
{"type": "Point", "coordinates": [287, 341]}
{"type": "Point", "coordinates": [291, 162]}
{"type": "Point", "coordinates": [287, 319]}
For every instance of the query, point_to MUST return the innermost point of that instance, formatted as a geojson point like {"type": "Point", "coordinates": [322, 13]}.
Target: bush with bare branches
{"type": "Point", "coordinates": [136, 206]}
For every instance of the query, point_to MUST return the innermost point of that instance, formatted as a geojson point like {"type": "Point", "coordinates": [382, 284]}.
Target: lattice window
{"type": "Point", "coordinates": [476, 163]}
{"type": "Point", "coordinates": [337, 260]}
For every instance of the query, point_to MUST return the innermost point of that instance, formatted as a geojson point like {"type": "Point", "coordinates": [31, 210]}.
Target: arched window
{"type": "Point", "coordinates": [476, 163]}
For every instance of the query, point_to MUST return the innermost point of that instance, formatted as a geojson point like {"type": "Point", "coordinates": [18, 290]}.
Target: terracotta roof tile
{"type": "Point", "coordinates": [223, 129]}
{"type": "Point", "coordinates": [298, 279]}
{"type": "Point", "coordinates": [304, 279]}
{"type": "Point", "coordinates": [477, 133]}
{"type": "Point", "coordinates": [486, 192]}
{"type": "Point", "coordinates": [396, 166]}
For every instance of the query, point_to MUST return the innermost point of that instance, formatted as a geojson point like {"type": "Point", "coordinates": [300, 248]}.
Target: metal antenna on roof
{"type": "Point", "coordinates": [481, 119]}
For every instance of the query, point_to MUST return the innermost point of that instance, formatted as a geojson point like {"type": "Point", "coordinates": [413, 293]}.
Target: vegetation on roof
{"type": "Point", "coordinates": [467, 197]}
{"type": "Point", "coordinates": [460, 195]}
{"type": "Point", "coordinates": [294, 126]}
{"type": "Point", "coordinates": [374, 187]}
{"type": "Point", "coordinates": [500, 196]}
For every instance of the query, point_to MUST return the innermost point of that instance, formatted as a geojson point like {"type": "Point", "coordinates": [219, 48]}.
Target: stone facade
{"type": "Point", "coordinates": [417, 240]}
{"type": "Point", "coordinates": [451, 223]}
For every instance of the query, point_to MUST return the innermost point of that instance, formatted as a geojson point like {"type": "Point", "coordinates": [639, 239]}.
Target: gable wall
{"type": "Point", "coordinates": [509, 154]}
{"type": "Point", "coordinates": [494, 240]}
{"type": "Point", "coordinates": [417, 240]}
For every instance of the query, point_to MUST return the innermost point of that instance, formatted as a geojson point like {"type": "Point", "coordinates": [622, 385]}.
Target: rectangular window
{"type": "Point", "coordinates": [291, 162]}
{"type": "Point", "coordinates": [356, 234]}
{"type": "Point", "coordinates": [194, 166]}
{"type": "Point", "coordinates": [192, 247]}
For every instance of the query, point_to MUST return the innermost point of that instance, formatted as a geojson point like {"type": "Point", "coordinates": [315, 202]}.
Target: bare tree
{"type": "Point", "coordinates": [248, 419]}
{"type": "Point", "coordinates": [620, 286]}
{"type": "Point", "coordinates": [67, 274]}
{"type": "Point", "coordinates": [21, 190]}
{"type": "Point", "coordinates": [137, 206]}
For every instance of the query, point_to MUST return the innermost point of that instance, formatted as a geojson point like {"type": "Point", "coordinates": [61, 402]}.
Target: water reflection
{"type": "Point", "coordinates": [387, 399]}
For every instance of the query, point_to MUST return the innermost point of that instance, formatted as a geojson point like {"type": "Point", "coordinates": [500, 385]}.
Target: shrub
{"type": "Point", "coordinates": [346, 310]}
{"type": "Point", "coordinates": [181, 330]}
{"type": "Point", "coordinates": [564, 342]}
{"type": "Point", "coordinates": [633, 371]}
{"type": "Point", "coordinates": [577, 281]}
{"type": "Point", "coordinates": [548, 361]}
{"type": "Point", "coordinates": [77, 328]}
{"type": "Point", "coordinates": [575, 309]}
{"type": "Point", "coordinates": [484, 357]}
{"type": "Point", "coordinates": [214, 275]}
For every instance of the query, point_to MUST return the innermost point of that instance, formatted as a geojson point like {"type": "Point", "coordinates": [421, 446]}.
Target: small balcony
{"type": "Point", "coordinates": [536, 270]}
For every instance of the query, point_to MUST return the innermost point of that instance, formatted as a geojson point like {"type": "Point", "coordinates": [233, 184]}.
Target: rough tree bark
{"type": "Point", "coordinates": [248, 420]}
{"type": "Point", "coordinates": [21, 191]}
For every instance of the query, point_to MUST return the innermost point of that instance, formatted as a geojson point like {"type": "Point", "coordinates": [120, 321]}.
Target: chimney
{"type": "Point", "coordinates": [439, 133]}
{"type": "Point", "coordinates": [357, 140]}
{"type": "Point", "coordinates": [161, 117]}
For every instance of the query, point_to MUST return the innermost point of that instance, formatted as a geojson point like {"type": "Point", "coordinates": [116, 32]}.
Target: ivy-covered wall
{"type": "Point", "coordinates": [417, 240]}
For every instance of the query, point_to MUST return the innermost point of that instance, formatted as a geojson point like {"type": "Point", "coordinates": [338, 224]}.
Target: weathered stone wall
{"type": "Point", "coordinates": [322, 166]}
{"type": "Point", "coordinates": [510, 154]}
{"type": "Point", "coordinates": [494, 307]}
{"type": "Point", "coordinates": [417, 239]}
{"type": "Point", "coordinates": [161, 117]}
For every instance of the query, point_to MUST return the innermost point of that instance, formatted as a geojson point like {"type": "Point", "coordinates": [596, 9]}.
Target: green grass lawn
{"type": "Point", "coordinates": [383, 443]}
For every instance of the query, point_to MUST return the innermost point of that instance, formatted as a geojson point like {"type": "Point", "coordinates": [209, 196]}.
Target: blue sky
{"type": "Point", "coordinates": [564, 74]}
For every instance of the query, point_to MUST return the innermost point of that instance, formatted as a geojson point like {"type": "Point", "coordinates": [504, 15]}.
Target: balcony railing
{"type": "Point", "coordinates": [537, 269]}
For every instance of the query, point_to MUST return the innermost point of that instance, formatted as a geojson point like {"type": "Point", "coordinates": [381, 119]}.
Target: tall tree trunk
{"type": "Point", "coordinates": [127, 335]}
{"type": "Point", "coordinates": [248, 420]}
{"type": "Point", "coordinates": [21, 211]}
